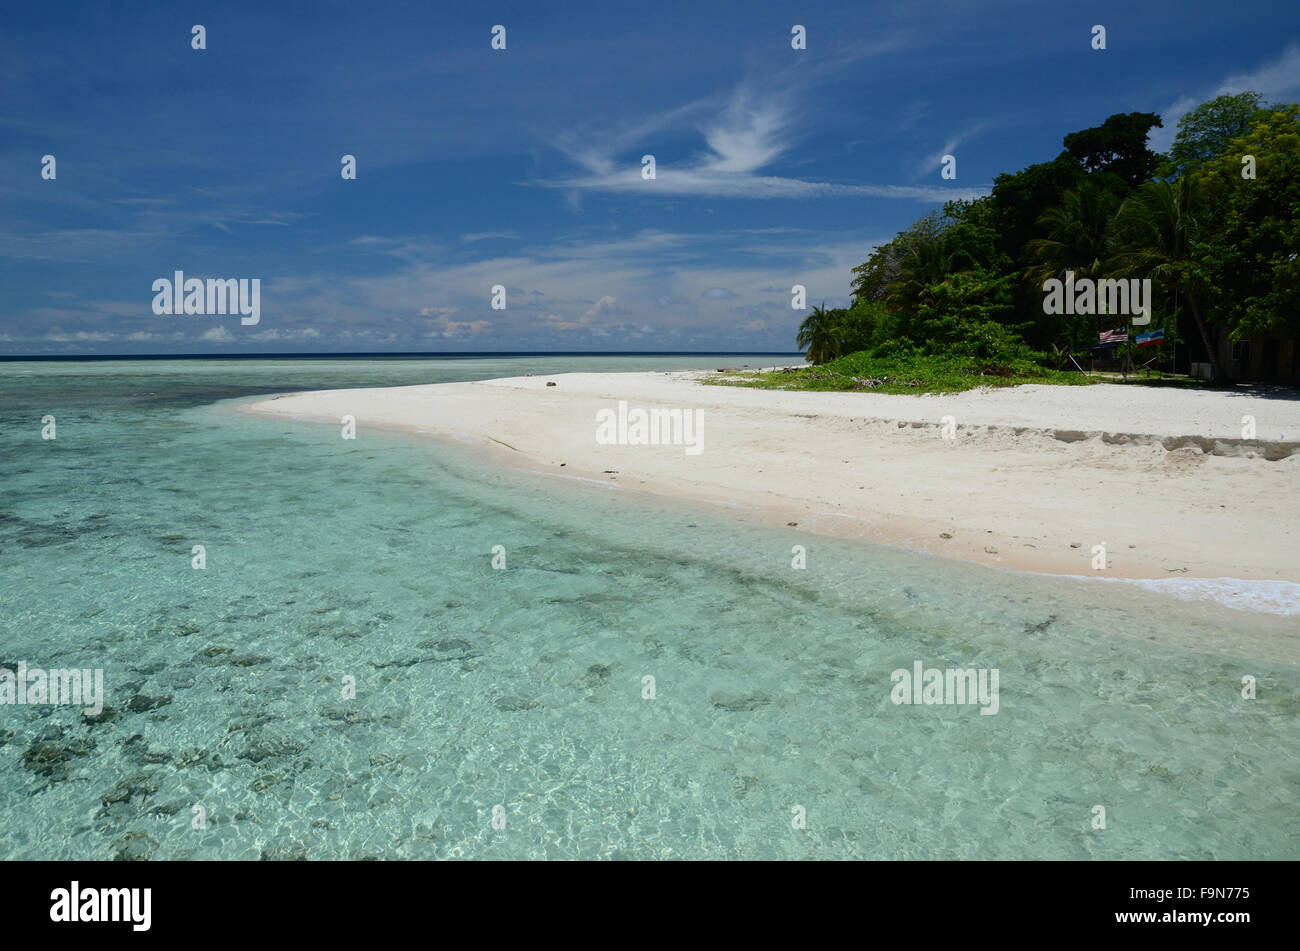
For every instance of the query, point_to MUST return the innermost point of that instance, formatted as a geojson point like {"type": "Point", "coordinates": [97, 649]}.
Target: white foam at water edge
{"type": "Point", "coordinates": [1269, 597]}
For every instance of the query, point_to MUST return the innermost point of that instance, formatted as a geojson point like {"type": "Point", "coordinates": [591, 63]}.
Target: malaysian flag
{"type": "Point", "coordinates": [1114, 336]}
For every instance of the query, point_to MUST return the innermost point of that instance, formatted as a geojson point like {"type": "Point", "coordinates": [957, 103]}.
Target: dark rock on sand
{"type": "Point", "coordinates": [194, 756]}
{"type": "Point", "coordinates": [741, 786]}
{"type": "Point", "coordinates": [346, 714]}
{"type": "Point", "coordinates": [249, 660]}
{"type": "Point", "coordinates": [449, 648]}
{"type": "Point", "coordinates": [51, 751]}
{"type": "Point", "coordinates": [446, 644]}
{"type": "Point", "coordinates": [134, 847]}
{"type": "Point", "coordinates": [597, 675]}
{"type": "Point", "coordinates": [513, 703]}
{"type": "Point", "coordinates": [141, 703]}
{"type": "Point", "coordinates": [47, 539]}
{"type": "Point", "coordinates": [106, 715]}
{"type": "Point", "coordinates": [1041, 626]}
{"type": "Point", "coordinates": [250, 722]}
{"type": "Point", "coordinates": [264, 782]}
{"type": "Point", "coordinates": [399, 662]}
{"type": "Point", "coordinates": [285, 852]}
{"type": "Point", "coordinates": [736, 703]}
{"type": "Point", "coordinates": [262, 747]}
{"type": "Point", "coordinates": [142, 784]}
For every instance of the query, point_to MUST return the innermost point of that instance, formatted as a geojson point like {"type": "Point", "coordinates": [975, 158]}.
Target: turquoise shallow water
{"type": "Point", "coordinates": [523, 688]}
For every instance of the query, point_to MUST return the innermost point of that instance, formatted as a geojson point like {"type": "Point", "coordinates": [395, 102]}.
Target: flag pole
{"type": "Point", "coordinates": [1128, 343]}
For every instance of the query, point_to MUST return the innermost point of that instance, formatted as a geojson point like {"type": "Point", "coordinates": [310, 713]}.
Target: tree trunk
{"type": "Point", "coordinates": [1216, 371]}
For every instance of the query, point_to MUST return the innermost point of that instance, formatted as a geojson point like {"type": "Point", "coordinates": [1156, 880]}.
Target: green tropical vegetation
{"type": "Point", "coordinates": [903, 373]}
{"type": "Point", "coordinates": [957, 297]}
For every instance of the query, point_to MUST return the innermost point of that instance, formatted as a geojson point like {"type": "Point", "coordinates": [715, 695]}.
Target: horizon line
{"type": "Point", "coordinates": [16, 358]}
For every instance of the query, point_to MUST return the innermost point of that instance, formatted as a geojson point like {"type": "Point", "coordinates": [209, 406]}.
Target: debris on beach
{"type": "Point", "coordinates": [871, 382]}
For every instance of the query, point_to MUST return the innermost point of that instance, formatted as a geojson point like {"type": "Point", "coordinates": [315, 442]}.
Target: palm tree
{"type": "Point", "coordinates": [926, 260]}
{"type": "Point", "coordinates": [820, 335]}
{"type": "Point", "coordinates": [1079, 234]}
{"type": "Point", "coordinates": [1079, 238]}
{"type": "Point", "coordinates": [1161, 223]}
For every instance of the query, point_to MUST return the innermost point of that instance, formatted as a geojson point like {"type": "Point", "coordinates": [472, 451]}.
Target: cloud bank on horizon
{"type": "Point", "coordinates": [524, 169]}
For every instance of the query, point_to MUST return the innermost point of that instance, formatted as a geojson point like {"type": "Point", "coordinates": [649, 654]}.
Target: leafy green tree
{"type": "Point", "coordinates": [972, 234]}
{"type": "Point", "coordinates": [1252, 257]}
{"type": "Point", "coordinates": [1019, 199]}
{"type": "Point", "coordinates": [872, 278]}
{"type": "Point", "coordinates": [866, 325]}
{"type": "Point", "coordinates": [963, 313]}
{"type": "Point", "coordinates": [1118, 146]}
{"type": "Point", "coordinates": [1220, 248]}
{"type": "Point", "coordinates": [1204, 132]}
{"type": "Point", "coordinates": [1112, 157]}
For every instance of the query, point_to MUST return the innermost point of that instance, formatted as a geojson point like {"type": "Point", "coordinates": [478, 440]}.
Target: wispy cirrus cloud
{"type": "Point", "coordinates": [748, 134]}
{"type": "Point", "coordinates": [930, 164]}
{"type": "Point", "coordinates": [488, 236]}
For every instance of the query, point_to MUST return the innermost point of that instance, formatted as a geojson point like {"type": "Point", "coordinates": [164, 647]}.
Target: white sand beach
{"type": "Point", "coordinates": [1035, 477]}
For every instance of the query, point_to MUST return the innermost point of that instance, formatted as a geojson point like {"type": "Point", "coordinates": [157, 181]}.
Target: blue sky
{"type": "Point", "coordinates": [521, 167]}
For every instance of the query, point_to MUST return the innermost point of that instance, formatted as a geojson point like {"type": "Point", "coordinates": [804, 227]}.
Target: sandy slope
{"type": "Point", "coordinates": [1020, 485]}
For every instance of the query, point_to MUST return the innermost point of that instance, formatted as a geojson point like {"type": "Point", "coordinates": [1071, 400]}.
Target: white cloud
{"type": "Point", "coordinates": [558, 322]}
{"type": "Point", "coordinates": [608, 286]}
{"type": "Point", "coordinates": [81, 336]}
{"type": "Point", "coordinates": [1273, 80]}
{"type": "Point", "coordinates": [444, 327]}
{"type": "Point", "coordinates": [217, 335]}
{"type": "Point", "coordinates": [747, 137]}
{"type": "Point", "coordinates": [144, 336]}
{"type": "Point", "coordinates": [744, 138]}
{"type": "Point", "coordinates": [673, 182]}
{"type": "Point", "coordinates": [487, 235]}
{"type": "Point", "coordinates": [303, 333]}
{"type": "Point", "coordinates": [930, 164]}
